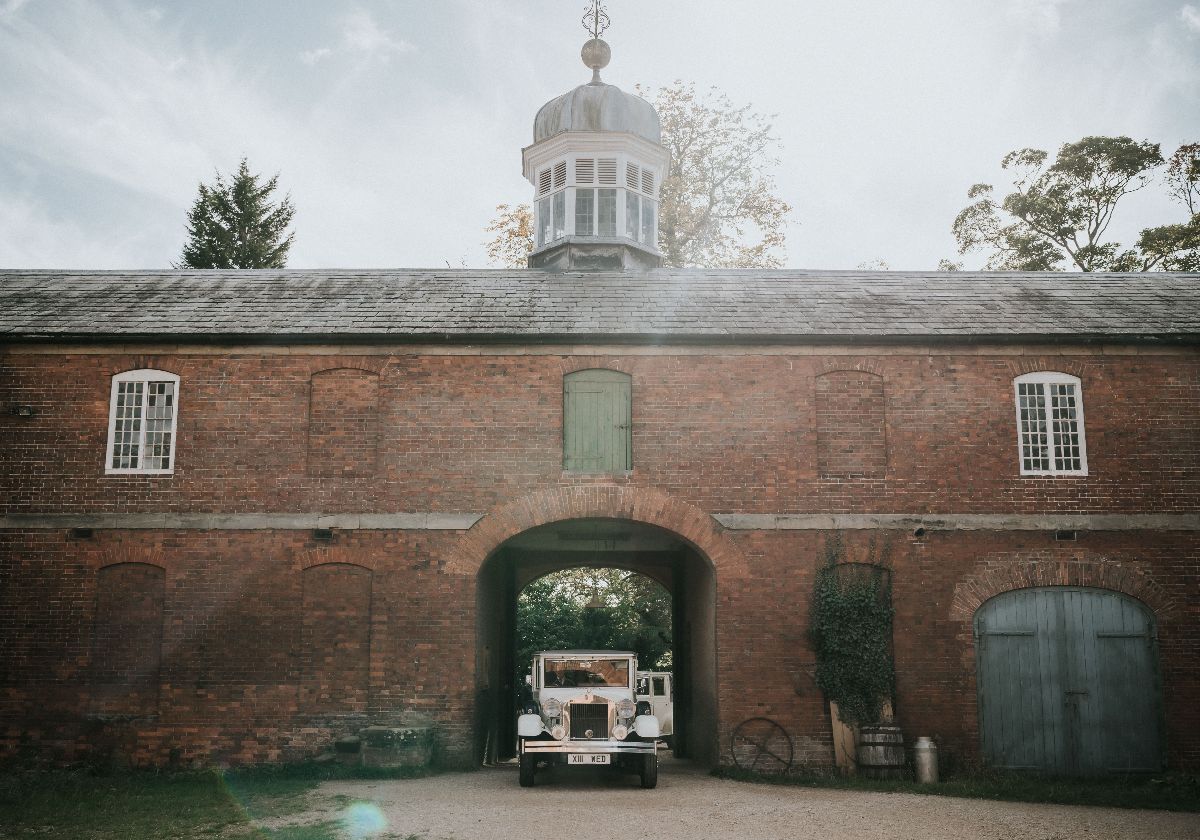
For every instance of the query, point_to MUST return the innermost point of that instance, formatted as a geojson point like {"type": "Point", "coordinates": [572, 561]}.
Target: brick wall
{"type": "Point", "coordinates": [269, 663]}
{"type": "Point", "coordinates": [851, 418]}
{"type": "Point", "coordinates": [127, 639]}
{"type": "Point", "coordinates": [343, 423]}
{"type": "Point", "coordinates": [272, 643]}
{"type": "Point", "coordinates": [766, 661]}
{"type": "Point", "coordinates": [335, 639]}
{"type": "Point", "coordinates": [726, 433]}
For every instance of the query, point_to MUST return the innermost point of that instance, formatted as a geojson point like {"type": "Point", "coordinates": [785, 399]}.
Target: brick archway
{"type": "Point", "coordinates": [649, 506]}
{"type": "Point", "coordinates": [700, 555]}
{"type": "Point", "coordinates": [997, 575]}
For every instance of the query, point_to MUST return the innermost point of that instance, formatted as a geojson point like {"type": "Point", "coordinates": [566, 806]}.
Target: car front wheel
{"type": "Point", "coordinates": [650, 771]}
{"type": "Point", "coordinates": [526, 764]}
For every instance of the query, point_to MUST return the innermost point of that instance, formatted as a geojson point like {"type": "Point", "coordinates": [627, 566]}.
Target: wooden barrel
{"type": "Point", "coordinates": [881, 752]}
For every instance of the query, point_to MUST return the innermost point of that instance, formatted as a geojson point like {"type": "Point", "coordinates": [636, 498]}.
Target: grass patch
{"type": "Point", "coordinates": [209, 804]}
{"type": "Point", "coordinates": [1170, 792]}
{"type": "Point", "coordinates": [91, 807]}
{"type": "Point", "coordinates": [315, 831]}
{"type": "Point", "coordinates": [278, 790]}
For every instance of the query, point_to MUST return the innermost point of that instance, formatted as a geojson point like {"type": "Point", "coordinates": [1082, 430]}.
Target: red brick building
{"type": "Point", "coordinates": [245, 513]}
{"type": "Point", "coordinates": [363, 469]}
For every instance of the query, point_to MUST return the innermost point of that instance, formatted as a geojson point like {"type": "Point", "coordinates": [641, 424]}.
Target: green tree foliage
{"type": "Point", "coordinates": [599, 609]}
{"type": "Point", "coordinates": [1173, 247]}
{"type": "Point", "coordinates": [1059, 211]}
{"type": "Point", "coordinates": [513, 240]}
{"type": "Point", "coordinates": [718, 207]}
{"type": "Point", "coordinates": [234, 224]}
{"type": "Point", "coordinates": [718, 202]}
{"type": "Point", "coordinates": [851, 633]}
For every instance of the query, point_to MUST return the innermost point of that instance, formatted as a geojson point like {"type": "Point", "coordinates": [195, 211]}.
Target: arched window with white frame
{"type": "Point", "coordinates": [141, 423]}
{"type": "Point", "coordinates": [1050, 433]}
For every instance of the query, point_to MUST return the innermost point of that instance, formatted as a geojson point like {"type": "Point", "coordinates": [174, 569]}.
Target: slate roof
{"type": "Point", "coordinates": [662, 306]}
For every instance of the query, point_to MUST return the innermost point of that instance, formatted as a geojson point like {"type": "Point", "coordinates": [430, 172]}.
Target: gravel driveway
{"type": "Point", "coordinates": [691, 805]}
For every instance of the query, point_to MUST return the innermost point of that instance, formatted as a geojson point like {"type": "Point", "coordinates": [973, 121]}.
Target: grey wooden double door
{"type": "Point", "coordinates": [1068, 682]}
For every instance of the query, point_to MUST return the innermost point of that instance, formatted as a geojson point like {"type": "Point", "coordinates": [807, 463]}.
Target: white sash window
{"type": "Point", "coordinates": [141, 423]}
{"type": "Point", "coordinates": [1050, 433]}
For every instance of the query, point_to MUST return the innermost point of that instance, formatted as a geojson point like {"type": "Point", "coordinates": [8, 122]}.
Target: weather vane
{"type": "Point", "coordinates": [595, 18]}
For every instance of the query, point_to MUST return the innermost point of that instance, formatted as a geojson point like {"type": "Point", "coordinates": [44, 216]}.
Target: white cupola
{"type": "Point", "coordinates": [596, 165]}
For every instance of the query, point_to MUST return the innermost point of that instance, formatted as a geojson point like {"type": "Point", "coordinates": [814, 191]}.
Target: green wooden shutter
{"type": "Point", "coordinates": [597, 420]}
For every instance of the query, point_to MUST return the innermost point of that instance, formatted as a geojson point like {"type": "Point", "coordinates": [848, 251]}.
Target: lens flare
{"type": "Point", "coordinates": [363, 820]}
{"type": "Point", "coordinates": [360, 821]}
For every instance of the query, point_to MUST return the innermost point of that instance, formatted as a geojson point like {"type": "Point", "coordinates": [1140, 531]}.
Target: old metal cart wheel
{"type": "Point", "coordinates": [762, 746]}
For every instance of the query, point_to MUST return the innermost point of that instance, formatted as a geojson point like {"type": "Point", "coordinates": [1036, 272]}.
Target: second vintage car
{"type": "Point", "coordinates": [582, 712]}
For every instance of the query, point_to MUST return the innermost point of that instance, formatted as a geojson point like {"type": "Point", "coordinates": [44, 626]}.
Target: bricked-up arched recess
{"type": "Point", "coordinates": [343, 423]}
{"type": "Point", "coordinates": [649, 506]}
{"type": "Point", "coordinates": [335, 639]}
{"type": "Point", "coordinates": [850, 414]}
{"type": "Point", "coordinates": [126, 651]}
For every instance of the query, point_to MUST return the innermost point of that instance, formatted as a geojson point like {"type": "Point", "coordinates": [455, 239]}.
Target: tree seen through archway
{"type": "Point", "coordinates": [595, 609]}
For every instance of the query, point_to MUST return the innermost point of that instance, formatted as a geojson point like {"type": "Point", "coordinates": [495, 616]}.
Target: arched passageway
{"type": "Point", "coordinates": [655, 552]}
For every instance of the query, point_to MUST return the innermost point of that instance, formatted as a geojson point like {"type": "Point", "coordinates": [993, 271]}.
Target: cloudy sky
{"type": "Point", "coordinates": [397, 125]}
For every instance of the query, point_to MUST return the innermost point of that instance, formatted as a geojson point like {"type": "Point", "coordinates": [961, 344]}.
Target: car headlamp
{"type": "Point", "coordinates": [626, 708]}
{"type": "Point", "coordinates": [558, 732]}
{"type": "Point", "coordinates": [552, 707]}
{"type": "Point", "coordinates": [620, 731]}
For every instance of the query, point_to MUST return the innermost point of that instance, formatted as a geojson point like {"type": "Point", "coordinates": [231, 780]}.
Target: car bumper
{"type": "Point", "coordinates": [589, 747]}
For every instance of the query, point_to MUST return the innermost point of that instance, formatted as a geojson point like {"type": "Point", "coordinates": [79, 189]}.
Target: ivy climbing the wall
{"type": "Point", "coordinates": [851, 631]}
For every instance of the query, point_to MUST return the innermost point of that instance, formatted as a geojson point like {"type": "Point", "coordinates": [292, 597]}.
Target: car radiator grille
{"type": "Point", "coordinates": [585, 716]}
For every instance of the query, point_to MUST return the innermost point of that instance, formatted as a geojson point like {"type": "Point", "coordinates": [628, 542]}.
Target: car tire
{"type": "Point", "coordinates": [650, 771]}
{"type": "Point", "coordinates": [526, 765]}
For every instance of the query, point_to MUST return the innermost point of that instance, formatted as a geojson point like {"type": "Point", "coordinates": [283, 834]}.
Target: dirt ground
{"type": "Point", "coordinates": [691, 805]}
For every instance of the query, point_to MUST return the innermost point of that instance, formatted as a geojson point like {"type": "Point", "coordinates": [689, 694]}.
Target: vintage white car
{"type": "Point", "coordinates": [582, 711]}
{"type": "Point", "coordinates": [655, 688]}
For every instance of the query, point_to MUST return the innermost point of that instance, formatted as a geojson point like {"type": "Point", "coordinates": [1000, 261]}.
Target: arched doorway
{"type": "Point", "coordinates": [656, 552]}
{"type": "Point", "coordinates": [1067, 681]}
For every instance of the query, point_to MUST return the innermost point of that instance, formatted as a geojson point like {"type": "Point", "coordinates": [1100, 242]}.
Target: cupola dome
{"type": "Point", "coordinates": [596, 164]}
{"type": "Point", "coordinates": [598, 107]}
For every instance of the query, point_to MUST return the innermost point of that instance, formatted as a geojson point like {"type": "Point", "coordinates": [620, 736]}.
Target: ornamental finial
{"type": "Point", "coordinates": [595, 19]}
{"type": "Point", "coordinates": [596, 53]}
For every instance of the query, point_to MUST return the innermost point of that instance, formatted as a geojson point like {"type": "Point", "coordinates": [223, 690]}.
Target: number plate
{"type": "Point", "coordinates": [580, 758]}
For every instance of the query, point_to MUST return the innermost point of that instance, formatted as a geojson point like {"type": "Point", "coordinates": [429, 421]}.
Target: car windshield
{"type": "Point", "coordinates": [572, 673]}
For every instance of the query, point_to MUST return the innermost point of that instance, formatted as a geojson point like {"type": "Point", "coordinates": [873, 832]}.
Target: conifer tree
{"type": "Point", "coordinates": [234, 224]}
